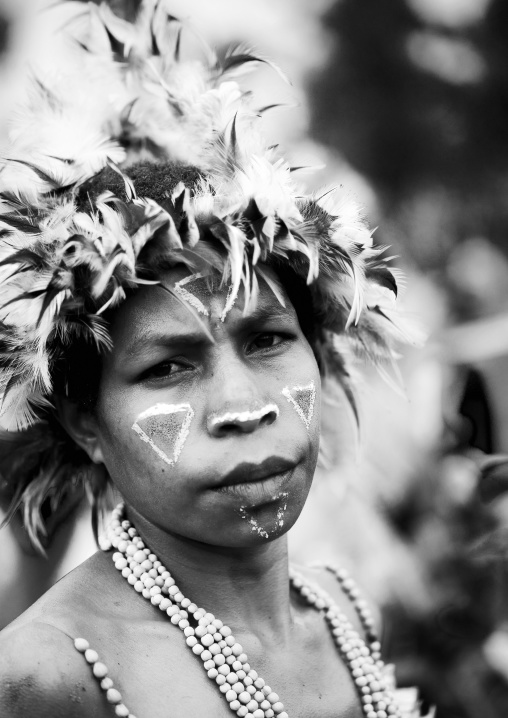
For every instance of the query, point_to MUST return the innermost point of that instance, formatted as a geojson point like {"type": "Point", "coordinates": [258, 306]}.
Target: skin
{"type": "Point", "coordinates": [163, 354]}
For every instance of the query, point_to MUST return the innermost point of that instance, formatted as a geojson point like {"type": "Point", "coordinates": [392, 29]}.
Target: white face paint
{"type": "Point", "coordinates": [253, 523]}
{"type": "Point", "coordinates": [231, 417]}
{"type": "Point", "coordinates": [199, 292]}
{"type": "Point", "coordinates": [228, 306]}
{"type": "Point", "coordinates": [279, 521]}
{"type": "Point", "coordinates": [302, 399]}
{"type": "Point", "coordinates": [165, 427]}
{"type": "Point", "coordinates": [195, 290]}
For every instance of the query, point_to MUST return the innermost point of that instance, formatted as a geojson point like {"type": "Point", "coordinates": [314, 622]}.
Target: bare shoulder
{"type": "Point", "coordinates": [350, 597]}
{"type": "Point", "coordinates": [42, 674]}
{"type": "Point", "coordinates": [83, 602]}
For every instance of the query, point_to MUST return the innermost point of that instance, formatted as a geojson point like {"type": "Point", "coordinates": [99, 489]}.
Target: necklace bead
{"type": "Point", "coordinates": [223, 657]}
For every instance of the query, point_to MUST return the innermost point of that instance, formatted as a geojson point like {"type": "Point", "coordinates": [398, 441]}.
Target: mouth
{"type": "Point", "coordinates": [259, 483]}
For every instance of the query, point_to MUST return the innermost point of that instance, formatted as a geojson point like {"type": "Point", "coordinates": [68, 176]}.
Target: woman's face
{"type": "Point", "coordinates": [208, 422]}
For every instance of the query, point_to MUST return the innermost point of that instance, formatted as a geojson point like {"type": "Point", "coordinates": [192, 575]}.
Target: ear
{"type": "Point", "coordinates": [81, 425]}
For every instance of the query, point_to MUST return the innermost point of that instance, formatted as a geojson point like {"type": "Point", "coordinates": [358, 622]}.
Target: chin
{"type": "Point", "coordinates": [267, 523]}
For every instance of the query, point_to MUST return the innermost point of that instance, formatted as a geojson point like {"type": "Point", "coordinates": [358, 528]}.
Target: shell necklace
{"type": "Point", "coordinates": [222, 657]}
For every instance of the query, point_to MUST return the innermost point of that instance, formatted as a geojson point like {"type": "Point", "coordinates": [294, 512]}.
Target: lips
{"type": "Point", "coordinates": [256, 484]}
{"type": "Point", "coordinates": [247, 473]}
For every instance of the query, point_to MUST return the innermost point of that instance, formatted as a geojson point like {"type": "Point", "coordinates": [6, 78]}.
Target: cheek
{"type": "Point", "coordinates": [145, 440]}
{"type": "Point", "coordinates": [165, 428]}
{"type": "Point", "coordinates": [303, 400]}
{"type": "Point", "coordinates": [300, 395]}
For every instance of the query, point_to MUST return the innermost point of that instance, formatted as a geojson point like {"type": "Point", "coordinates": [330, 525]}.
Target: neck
{"type": "Point", "coordinates": [247, 588]}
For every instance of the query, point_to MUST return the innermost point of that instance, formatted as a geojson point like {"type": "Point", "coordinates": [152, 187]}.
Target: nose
{"type": "Point", "coordinates": [241, 422]}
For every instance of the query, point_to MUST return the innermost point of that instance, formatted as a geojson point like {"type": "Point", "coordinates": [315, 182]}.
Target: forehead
{"type": "Point", "coordinates": [185, 300]}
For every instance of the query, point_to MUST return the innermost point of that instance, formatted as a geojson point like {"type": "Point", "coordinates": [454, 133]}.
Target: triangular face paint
{"type": "Point", "coordinates": [302, 399]}
{"type": "Point", "coordinates": [165, 427]}
{"type": "Point", "coordinates": [279, 521]}
{"type": "Point", "coordinates": [195, 290]}
{"type": "Point", "coordinates": [254, 526]}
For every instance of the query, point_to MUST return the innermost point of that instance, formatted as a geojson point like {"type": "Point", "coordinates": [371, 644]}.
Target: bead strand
{"type": "Point", "coordinates": [100, 672]}
{"type": "Point", "coordinates": [223, 657]}
{"type": "Point", "coordinates": [361, 607]}
{"type": "Point", "coordinates": [377, 698]}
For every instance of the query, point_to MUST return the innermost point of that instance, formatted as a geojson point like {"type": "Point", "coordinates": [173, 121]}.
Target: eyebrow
{"type": "Point", "coordinates": [147, 340]}
{"type": "Point", "coordinates": [268, 307]}
{"type": "Point", "coordinates": [267, 312]}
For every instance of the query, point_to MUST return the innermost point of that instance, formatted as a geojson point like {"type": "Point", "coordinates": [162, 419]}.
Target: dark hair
{"type": "Point", "coordinates": [156, 180]}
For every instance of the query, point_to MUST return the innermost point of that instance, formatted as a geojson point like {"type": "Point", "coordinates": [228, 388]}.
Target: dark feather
{"type": "Point", "coordinates": [179, 200]}
{"type": "Point", "coordinates": [38, 171]}
{"type": "Point", "coordinates": [130, 190]}
{"type": "Point", "coordinates": [27, 257]}
{"type": "Point", "coordinates": [15, 202]}
{"type": "Point", "coordinates": [382, 276]}
{"type": "Point", "coordinates": [91, 327]}
{"type": "Point", "coordinates": [19, 224]}
{"type": "Point", "coordinates": [178, 45]}
{"type": "Point", "coordinates": [65, 160]}
{"type": "Point", "coordinates": [233, 147]}
{"type": "Point", "coordinates": [275, 106]}
{"type": "Point", "coordinates": [332, 362]}
{"type": "Point", "coordinates": [117, 47]}
{"type": "Point", "coordinates": [219, 230]}
{"type": "Point", "coordinates": [50, 294]}
{"type": "Point", "coordinates": [24, 295]}
{"type": "Point", "coordinates": [238, 55]}
{"type": "Point", "coordinates": [81, 44]}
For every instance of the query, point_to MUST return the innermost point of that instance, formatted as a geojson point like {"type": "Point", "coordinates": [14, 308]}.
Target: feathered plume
{"type": "Point", "coordinates": [128, 156]}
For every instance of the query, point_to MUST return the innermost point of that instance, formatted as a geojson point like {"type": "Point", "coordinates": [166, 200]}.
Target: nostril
{"type": "Point", "coordinates": [228, 428]}
{"type": "Point", "coordinates": [238, 427]}
{"type": "Point", "coordinates": [269, 417]}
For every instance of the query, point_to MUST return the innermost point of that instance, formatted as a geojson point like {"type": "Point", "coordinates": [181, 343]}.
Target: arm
{"type": "Point", "coordinates": [43, 676]}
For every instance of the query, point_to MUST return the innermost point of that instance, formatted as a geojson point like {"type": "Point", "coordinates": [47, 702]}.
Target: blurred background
{"type": "Point", "coordinates": [406, 103]}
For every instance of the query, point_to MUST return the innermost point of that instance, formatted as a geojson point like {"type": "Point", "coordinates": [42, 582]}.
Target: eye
{"type": "Point", "coordinates": [266, 340]}
{"type": "Point", "coordinates": [165, 369]}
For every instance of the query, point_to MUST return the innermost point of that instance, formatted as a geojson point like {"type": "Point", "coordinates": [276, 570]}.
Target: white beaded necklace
{"type": "Point", "coordinates": [223, 658]}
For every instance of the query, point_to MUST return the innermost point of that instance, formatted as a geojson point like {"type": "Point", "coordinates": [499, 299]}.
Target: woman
{"type": "Point", "coordinates": [169, 307]}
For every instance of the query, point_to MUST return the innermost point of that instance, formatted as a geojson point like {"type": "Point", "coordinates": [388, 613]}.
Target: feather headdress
{"type": "Point", "coordinates": [130, 158]}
